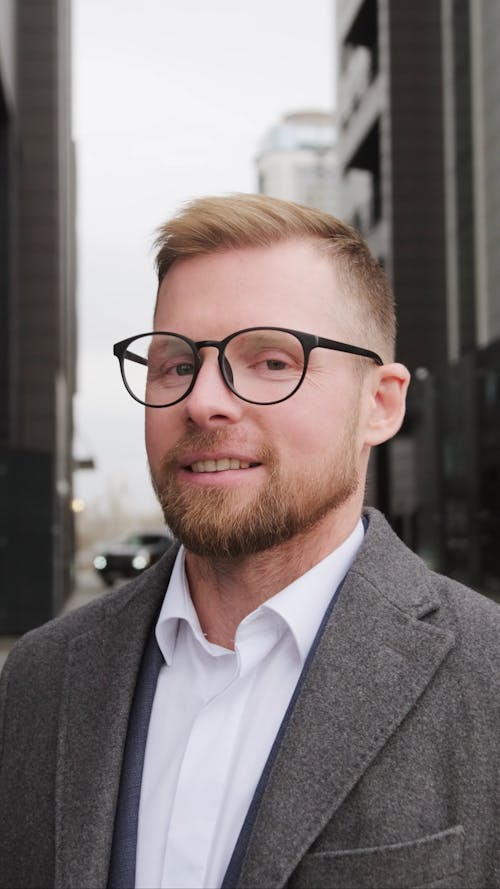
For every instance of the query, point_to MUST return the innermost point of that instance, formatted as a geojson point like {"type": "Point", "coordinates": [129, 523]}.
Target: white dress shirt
{"type": "Point", "coordinates": [215, 715]}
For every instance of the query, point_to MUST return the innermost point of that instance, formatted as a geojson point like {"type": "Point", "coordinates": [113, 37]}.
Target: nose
{"type": "Point", "coordinates": [211, 403]}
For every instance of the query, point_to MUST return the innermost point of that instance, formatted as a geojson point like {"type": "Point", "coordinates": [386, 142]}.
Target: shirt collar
{"type": "Point", "coordinates": [177, 606]}
{"type": "Point", "coordinates": [301, 605]}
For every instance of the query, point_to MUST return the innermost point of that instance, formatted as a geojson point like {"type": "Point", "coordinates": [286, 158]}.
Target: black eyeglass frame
{"type": "Point", "coordinates": [308, 341]}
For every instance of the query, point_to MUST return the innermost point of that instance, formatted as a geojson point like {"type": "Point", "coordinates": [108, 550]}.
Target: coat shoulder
{"type": "Point", "coordinates": [402, 576]}
{"type": "Point", "coordinates": [140, 597]}
{"type": "Point", "coordinates": [43, 641]}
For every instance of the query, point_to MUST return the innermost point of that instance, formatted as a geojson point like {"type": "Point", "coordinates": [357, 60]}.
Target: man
{"type": "Point", "coordinates": [292, 697]}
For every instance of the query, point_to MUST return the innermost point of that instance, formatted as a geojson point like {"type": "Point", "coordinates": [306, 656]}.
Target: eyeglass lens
{"type": "Point", "coordinates": [262, 365]}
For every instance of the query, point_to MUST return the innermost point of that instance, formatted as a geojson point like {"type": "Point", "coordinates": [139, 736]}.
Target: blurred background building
{"type": "Point", "coordinates": [297, 160]}
{"type": "Point", "coordinates": [419, 126]}
{"type": "Point", "coordinates": [37, 311]}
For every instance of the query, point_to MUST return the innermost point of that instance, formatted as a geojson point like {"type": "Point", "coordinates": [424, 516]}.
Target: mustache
{"type": "Point", "coordinates": [207, 440]}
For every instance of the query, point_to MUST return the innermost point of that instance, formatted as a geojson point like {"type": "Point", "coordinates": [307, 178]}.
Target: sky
{"type": "Point", "coordinates": [170, 101]}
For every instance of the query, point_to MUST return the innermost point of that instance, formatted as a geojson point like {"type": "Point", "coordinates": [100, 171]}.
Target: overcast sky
{"type": "Point", "coordinates": [170, 100]}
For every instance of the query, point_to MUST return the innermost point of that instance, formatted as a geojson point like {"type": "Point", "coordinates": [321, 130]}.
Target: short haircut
{"type": "Point", "coordinates": [217, 224]}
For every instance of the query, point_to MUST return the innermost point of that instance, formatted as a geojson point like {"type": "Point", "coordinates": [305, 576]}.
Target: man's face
{"type": "Point", "coordinates": [280, 469]}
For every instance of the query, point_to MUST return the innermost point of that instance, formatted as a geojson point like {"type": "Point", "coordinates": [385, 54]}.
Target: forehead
{"type": "Point", "coordinates": [288, 284]}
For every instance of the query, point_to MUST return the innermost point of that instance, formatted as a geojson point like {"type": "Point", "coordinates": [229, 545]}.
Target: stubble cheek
{"type": "Point", "coordinates": [158, 438]}
{"type": "Point", "coordinates": [150, 440]}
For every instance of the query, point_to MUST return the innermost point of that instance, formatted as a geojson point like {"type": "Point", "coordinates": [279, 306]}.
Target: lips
{"type": "Point", "coordinates": [222, 464]}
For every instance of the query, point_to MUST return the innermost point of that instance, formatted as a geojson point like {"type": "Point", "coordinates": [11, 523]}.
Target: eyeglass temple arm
{"type": "Point", "coordinates": [133, 357]}
{"type": "Point", "coordinates": [353, 350]}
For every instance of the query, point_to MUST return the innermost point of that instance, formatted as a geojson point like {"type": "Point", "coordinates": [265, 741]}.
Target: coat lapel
{"type": "Point", "coordinates": [372, 663]}
{"type": "Point", "coordinates": [102, 668]}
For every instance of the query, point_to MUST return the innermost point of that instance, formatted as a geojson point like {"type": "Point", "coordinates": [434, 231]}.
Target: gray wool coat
{"type": "Point", "coordinates": [387, 775]}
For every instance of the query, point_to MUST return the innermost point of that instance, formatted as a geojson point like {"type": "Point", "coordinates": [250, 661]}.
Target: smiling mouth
{"type": "Point", "coordinates": [221, 465]}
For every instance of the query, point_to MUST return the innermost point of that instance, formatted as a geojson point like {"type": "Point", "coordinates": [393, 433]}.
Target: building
{"type": "Point", "coordinates": [391, 127]}
{"type": "Point", "coordinates": [297, 160]}
{"type": "Point", "coordinates": [419, 119]}
{"type": "Point", "coordinates": [37, 310]}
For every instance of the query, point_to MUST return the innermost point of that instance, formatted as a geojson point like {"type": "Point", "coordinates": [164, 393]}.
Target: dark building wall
{"type": "Point", "coordinates": [455, 425]}
{"type": "Point", "coordinates": [395, 132]}
{"type": "Point", "coordinates": [38, 209]}
{"type": "Point", "coordinates": [27, 567]}
{"type": "Point", "coordinates": [38, 294]}
{"type": "Point", "coordinates": [5, 265]}
{"type": "Point", "coordinates": [7, 187]}
{"type": "Point", "coordinates": [415, 168]}
{"type": "Point", "coordinates": [490, 56]}
{"type": "Point", "coordinates": [463, 180]}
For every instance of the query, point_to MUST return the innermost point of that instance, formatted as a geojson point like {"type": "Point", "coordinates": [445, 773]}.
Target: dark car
{"type": "Point", "coordinates": [131, 556]}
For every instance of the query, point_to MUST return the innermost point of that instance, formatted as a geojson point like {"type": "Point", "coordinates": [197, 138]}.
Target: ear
{"type": "Point", "coordinates": [387, 402]}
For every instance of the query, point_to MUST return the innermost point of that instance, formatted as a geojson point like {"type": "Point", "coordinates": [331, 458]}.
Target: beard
{"type": "Point", "coordinates": [213, 522]}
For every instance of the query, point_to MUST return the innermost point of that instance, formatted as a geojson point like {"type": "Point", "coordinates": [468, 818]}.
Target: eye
{"type": "Point", "coordinates": [265, 355]}
{"type": "Point", "coordinates": [181, 369]}
{"type": "Point", "coordinates": [273, 362]}
{"type": "Point", "coordinates": [276, 364]}
{"type": "Point", "coordinates": [169, 370]}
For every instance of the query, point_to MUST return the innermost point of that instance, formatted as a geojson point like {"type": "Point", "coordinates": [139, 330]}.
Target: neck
{"type": "Point", "coordinates": [225, 591]}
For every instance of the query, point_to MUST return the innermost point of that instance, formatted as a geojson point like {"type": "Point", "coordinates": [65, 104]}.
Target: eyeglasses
{"type": "Point", "coordinates": [261, 365]}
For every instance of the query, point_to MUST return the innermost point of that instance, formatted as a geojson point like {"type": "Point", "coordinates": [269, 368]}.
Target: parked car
{"type": "Point", "coordinates": [131, 556]}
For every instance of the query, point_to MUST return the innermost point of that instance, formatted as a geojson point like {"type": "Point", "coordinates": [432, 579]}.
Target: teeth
{"type": "Point", "coordinates": [219, 465]}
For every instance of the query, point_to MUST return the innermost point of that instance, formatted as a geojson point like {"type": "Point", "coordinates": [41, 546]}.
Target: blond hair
{"type": "Point", "coordinates": [215, 224]}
